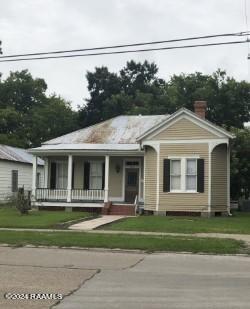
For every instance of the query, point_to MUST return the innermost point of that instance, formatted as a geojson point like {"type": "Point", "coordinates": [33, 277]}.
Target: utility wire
{"type": "Point", "coordinates": [129, 45]}
{"type": "Point", "coordinates": [126, 51]}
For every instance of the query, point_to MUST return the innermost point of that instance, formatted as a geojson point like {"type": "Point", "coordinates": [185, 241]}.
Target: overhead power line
{"type": "Point", "coordinates": [245, 33]}
{"type": "Point", "coordinates": [126, 51]}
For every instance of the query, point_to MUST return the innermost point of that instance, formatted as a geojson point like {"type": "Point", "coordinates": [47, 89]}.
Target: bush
{"type": "Point", "coordinates": [22, 202]}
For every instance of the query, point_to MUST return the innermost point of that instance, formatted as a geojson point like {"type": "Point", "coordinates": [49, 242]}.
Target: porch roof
{"type": "Point", "coordinates": [87, 147]}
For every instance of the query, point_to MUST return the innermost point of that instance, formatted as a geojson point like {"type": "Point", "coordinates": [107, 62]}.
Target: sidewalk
{"type": "Point", "coordinates": [242, 237]}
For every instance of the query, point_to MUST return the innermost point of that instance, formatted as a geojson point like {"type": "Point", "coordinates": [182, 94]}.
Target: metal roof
{"type": "Point", "coordinates": [17, 155]}
{"type": "Point", "coordinates": [118, 130]}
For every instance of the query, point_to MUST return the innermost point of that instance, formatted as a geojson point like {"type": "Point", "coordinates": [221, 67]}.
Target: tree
{"type": "Point", "coordinates": [137, 89]}
{"type": "Point", "coordinates": [113, 94]}
{"type": "Point", "coordinates": [240, 164]}
{"type": "Point", "coordinates": [228, 100]}
{"type": "Point", "coordinates": [27, 115]}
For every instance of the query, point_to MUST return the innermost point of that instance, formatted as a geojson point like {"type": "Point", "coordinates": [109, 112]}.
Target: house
{"type": "Point", "coordinates": [16, 171]}
{"type": "Point", "coordinates": [168, 163]}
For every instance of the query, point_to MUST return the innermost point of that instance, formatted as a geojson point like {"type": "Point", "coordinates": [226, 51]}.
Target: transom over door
{"type": "Point", "coordinates": [131, 184]}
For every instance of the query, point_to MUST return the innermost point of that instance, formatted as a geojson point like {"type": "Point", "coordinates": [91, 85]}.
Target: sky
{"type": "Point", "coordinates": [46, 25]}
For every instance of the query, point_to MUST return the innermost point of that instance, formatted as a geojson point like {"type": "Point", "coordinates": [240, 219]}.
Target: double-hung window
{"type": "Point", "coordinates": [95, 175]}
{"type": "Point", "coordinates": [61, 174]}
{"type": "Point", "coordinates": [181, 174]}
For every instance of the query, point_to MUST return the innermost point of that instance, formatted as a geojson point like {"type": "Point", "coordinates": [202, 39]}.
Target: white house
{"type": "Point", "coordinates": [16, 171]}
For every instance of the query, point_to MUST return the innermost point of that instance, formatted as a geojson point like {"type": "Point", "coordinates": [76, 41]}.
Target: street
{"type": "Point", "coordinates": [105, 279]}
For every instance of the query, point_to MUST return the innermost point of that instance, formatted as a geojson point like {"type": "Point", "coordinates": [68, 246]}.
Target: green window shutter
{"type": "Point", "coordinates": [103, 175]}
{"type": "Point", "coordinates": [14, 181]}
{"type": "Point", "coordinates": [200, 175]}
{"type": "Point", "coordinates": [166, 175]}
{"type": "Point", "coordinates": [86, 175]}
{"type": "Point", "coordinates": [53, 175]}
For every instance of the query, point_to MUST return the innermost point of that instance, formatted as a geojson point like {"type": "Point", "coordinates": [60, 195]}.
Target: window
{"type": "Point", "coordinates": [96, 175]}
{"type": "Point", "coordinates": [191, 174]}
{"type": "Point", "coordinates": [183, 175]}
{"type": "Point", "coordinates": [132, 179]}
{"type": "Point", "coordinates": [175, 175]}
{"type": "Point", "coordinates": [14, 180]}
{"type": "Point", "coordinates": [61, 175]}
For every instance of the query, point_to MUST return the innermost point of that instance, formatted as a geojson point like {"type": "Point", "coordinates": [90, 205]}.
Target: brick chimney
{"type": "Point", "coordinates": [200, 108]}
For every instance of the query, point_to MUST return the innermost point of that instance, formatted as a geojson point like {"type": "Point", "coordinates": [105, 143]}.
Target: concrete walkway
{"type": "Point", "coordinates": [95, 223]}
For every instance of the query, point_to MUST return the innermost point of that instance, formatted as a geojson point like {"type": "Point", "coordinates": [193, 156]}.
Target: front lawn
{"type": "Point", "coordinates": [239, 223]}
{"type": "Point", "coordinates": [122, 241]}
{"type": "Point", "coordinates": [11, 218]}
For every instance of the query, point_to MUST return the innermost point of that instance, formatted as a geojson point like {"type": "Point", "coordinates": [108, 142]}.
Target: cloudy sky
{"type": "Point", "coordinates": [45, 25]}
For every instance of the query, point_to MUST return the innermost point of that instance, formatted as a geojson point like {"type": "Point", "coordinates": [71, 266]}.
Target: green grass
{"type": "Point", "coordinates": [122, 241]}
{"type": "Point", "coordinates": [11, 218]}
{"type": "Point", "coordinates": [239, 223]}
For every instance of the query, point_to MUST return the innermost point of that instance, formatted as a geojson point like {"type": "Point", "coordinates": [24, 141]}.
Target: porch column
{"type": "Point", "coordinates": [69, 187]}
{"type": "Point", "coordinates": [46, 172]}
{"type": "Point", "coordinates": [106, 184]}
{"type": "Point", "coordinates": [34, 173]}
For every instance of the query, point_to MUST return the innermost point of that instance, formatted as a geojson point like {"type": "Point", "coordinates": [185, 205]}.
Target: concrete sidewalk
{"type": "Point", "coordinates": [242, 237]}
{"type": "Point", "coordinates": [95, 223]}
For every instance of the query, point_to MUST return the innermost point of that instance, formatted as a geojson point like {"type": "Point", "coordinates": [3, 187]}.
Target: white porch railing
{"type": "Point", "coordinates": [88, 195]}
{"type": "Point", "coordinates": [77, 195]}
{"type": "Point", "coordinates": [43, 194]}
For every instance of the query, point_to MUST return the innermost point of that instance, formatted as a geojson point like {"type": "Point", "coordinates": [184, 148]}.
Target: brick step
{"type": "Point", "coordinates": [126, 210]}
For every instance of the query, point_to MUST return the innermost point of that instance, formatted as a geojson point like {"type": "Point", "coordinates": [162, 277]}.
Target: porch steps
{"type": "Point", "coordinates": [122, 210]}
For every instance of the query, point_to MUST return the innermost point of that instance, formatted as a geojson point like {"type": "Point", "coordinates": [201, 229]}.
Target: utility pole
{"type": "Point", "coordinates": [0, 47]}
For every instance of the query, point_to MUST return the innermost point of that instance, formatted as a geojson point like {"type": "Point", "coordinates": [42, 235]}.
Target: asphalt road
{"type": "Point", "coordinates": [96, 279]}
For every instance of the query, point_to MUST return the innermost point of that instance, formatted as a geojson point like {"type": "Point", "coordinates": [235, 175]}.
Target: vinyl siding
{"type": "Point", "coordinates": [219, 178]}
{"type": "Point", "coordinates": [195, 202]}
{"type": "Point", "coordinates": [184, 129]}
{"type": "Point", "coordinates": [150, 179]}
{"type": "Point", "coordinates": [24, 177]}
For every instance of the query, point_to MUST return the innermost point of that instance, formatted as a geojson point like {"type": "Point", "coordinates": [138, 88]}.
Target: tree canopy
{"type": "Point", "coordinates": [27, 115]}
{"type": "Point", "coordinates": [136, 89]}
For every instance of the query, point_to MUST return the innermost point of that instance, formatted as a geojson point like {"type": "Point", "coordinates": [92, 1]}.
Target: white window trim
{"type": "Point", "coordinates": [183, 173]}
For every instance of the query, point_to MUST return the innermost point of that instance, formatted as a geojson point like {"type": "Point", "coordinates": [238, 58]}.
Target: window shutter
{"type": "Point", "coordinates": [166, 175]}
{"type": "Point", "coordinates": [14, 178]}
{"type": "Point", "coordinates": [86, 175]}
{"type": "Point", "coordinates": [53, 175]}
{"type": "Point", "coordinates": [103, 175]}
{"type": "Point", "coordinates": [73, 175]}
{"type": "Point", "coordinates": [200, 175]}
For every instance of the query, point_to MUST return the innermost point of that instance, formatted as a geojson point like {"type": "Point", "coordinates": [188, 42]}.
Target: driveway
{"type": "Point", "coordinates": [98, 279]}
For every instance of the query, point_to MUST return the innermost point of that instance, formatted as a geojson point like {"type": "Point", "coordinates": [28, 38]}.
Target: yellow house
{"type": "Point", "coordinates": [177, 163]}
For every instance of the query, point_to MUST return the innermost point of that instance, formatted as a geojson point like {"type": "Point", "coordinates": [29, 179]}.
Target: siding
{"type": "Point", "coordinates": [184, 129]}
{"type": "Point", "coordinates": [195, 202]}
{"type": "Point", "coordinates": [115, 179]}
{"type": "Point", "coordinates": [150, 161]}
{"type": "Point", "coordinates": [24, 177]}
{"type": "Point", "coordinates": [219, 178]}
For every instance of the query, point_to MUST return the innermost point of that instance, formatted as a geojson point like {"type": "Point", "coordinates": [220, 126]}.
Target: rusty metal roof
{"type": "Point", "coordinates": [118, 130]}
{"type": "Point", "coordinates": [15, 154]}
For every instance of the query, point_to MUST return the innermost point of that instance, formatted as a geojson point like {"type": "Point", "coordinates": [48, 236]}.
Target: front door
{"type": "Point", "coordinates": [131, 184]}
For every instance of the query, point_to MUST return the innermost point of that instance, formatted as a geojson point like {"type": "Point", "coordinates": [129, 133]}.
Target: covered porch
{"type": "Point", "coordinates": [89, 180]}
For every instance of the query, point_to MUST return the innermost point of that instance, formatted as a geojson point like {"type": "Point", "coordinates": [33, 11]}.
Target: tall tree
{"type": "Point", "coordinates": [27, 115]}
{"type": "Point", "coordinates": [240, 164]}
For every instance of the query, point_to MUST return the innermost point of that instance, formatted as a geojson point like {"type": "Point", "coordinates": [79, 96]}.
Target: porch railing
{"type": "Point", "coordinates": [43, 194]}
{"type": "Point", "coordinates": [77, 195]}
{"type": "Point", "coordinates": [88, 195]}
